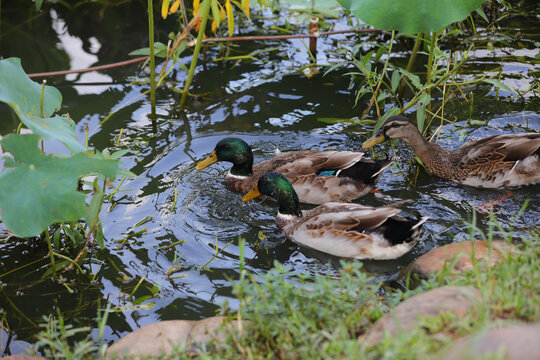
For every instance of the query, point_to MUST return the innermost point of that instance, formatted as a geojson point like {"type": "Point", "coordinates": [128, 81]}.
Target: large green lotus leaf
{"type": "Point", "coordinates": [38, 190]}
{"type": "Point", "coordinates": [411, 16]}
{"type": "Point", "coordinates": [24, 97]}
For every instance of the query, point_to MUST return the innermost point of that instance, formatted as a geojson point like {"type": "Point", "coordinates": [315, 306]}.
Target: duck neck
{"type": "Point", "coordinates": [243, 167]}
{"type": "Point", "coordinates": [424, 149]}
{"type": "Point", "coordinates": [289, 204]}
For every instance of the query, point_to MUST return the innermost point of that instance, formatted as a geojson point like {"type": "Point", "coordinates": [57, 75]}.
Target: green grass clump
{"type": "Point", "coordinates": [303, 317]}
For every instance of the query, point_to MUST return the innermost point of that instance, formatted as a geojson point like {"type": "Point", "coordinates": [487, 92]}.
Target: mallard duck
{"type": "Point", "coordinates": [342, 229]}
{"type": "Point", "coordinates": [490, 162]}
{"type": "Point", "coordinates": [317, 176]}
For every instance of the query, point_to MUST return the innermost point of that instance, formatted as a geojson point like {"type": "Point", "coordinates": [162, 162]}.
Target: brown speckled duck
{"type": "Point", "coordinates": [490, 162]}
{"type": "Point", "coordinates": [317, 176]}
{"type": "Point", "coordinates": [342, 229]}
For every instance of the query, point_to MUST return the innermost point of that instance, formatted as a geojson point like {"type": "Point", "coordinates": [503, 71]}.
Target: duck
{"type": "Point", "coordinates": [490, 162]}
{"type": "Point", "coordinates": [317, 176]}
{"type": "Point", "coordinates": [347, 230]}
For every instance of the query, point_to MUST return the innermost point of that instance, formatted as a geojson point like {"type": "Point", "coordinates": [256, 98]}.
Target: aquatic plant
{"type": "Point", "coordinates": [37, 189]}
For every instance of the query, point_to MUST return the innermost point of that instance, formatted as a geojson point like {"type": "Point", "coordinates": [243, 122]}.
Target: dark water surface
{"type": "Point", "coordinates": [269, 104]}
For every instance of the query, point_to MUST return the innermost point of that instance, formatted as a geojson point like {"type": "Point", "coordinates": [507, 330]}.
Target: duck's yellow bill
{"type": "Point", "coordinates": [377, 139]}
{"type": "Point", "coordinates": [252, 194]}
{"type": "Point", "coordinates": [212, 158]}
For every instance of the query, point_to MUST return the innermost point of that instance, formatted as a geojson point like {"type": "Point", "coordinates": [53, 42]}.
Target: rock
{"type": "Point", "coordinates": [404, 317]}
{"type": "Point", "coordinates": [435, 259]}
{"type": "Point", "coordinates": [159, 338]}
{"type": "Point", "coordinates": [515, 342]}
{"type": "Point", "coordinates": [23, 357]}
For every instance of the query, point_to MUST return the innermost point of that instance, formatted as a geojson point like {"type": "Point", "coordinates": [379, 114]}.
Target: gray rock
{"type": "Point", "coordinates": [163, 336]}
{"type": "Point", "coordinates": [462, 254]}
{"type": "Point", "coordinates": [404, 317]}
{"type": "Point", "coordinates": [515, 342]}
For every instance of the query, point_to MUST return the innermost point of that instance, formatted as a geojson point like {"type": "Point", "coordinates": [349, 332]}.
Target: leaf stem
{"type": "Point", "coordinates": [205, 11]}
{"type": "Point", "coordinates": [152, 58]}
{"type": "Point", "coordinates": [42, 94]}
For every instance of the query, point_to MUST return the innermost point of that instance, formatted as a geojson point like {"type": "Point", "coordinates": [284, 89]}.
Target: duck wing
{"type": "Point", "coordinates": [500, 160]}
{"type": "Point", "coordinates": [344, 230]}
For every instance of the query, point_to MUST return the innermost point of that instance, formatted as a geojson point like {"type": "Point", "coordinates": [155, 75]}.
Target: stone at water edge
{"type": "Point", "coordinates": [435, 259]}
{"type": "Point", "coordinates": [159, 338]}
{"type": "Point", "coordinates": [458, 300]}
{"type": "Point", "coordinates": [513, 342]}
{"type": "Point", "coordinates": [23, 357]}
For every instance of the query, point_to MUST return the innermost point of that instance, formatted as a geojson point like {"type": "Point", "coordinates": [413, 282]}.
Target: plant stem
{"type": "Point", "coordinates": [429, 69]}
{"type": "Point", "coordinates": [152, 58]}
{"type": "Point", "coordinates": [49, 245]}
{"type": "Point", "coordinates": [374, 96]}
{"type": "Point", "coordinates": [205, 11]}
{"type": "Point", "coordinates": [410, 63]}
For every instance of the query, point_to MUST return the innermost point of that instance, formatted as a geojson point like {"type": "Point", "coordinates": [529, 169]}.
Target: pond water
{"type": "Point", "coordinates": [269, 104]}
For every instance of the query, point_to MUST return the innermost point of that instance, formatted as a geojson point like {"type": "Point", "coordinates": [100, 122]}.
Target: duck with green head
{"type": "Point", "coordinates": [490, 162]}
{"type": "Point", "coordinates": [342, 229]}
{"type": "Point", "coordinates": [317, 176]}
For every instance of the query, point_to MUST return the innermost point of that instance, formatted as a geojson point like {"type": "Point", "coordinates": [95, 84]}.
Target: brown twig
{"type": "Point", "coordinates": [283, 37]}
{"type": "Point", "coordinates": [95, 68]}
{"type": "Point", "coordinates": [180, 37]}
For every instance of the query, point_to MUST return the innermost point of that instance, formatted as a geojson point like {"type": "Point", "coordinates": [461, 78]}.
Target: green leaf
{"type": "Point", "coordinates": [387, 114]}
{"type": "Point", "coordinates": [56, 239]}
{"type": "Point", "coordinates": [425, 99]}
{"type": "Point", "coordinates": [421, 117]}
{"type": "Point", "coordinates": [39, 190]}
{"type": "Point", "coordinates": [93, 210]}
{"type": "Point", "coordinates": [328, 120]}
{"type": "Point", "coordinates": [415, 80]}
{"type": "Point", "coordinates": [215, 12]}
{"type": "Point", "coordinates": [482, 14]}
{"type": "Point", "coordinates": [57, 267]}
{"type": "Point", "coordinates": [24, 96]}
{"type": "Point", "coordinates": [498, 84]}
{"type": "Point", "coordinates": [59, 128]}
{"type": "Point", "coordinates": [99, 236]}
{"type": "Point", "coordinates": [411, 16]}
{"type": "Point", "coordinates": [160, 50]}
{"type": "Point", "coordinates": [395, 80]}
{"type": "Point", "coordinates": [325, 7]}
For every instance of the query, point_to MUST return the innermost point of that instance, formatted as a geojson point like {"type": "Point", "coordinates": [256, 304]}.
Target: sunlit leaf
{"type": "Point", "coordinates": [230, 17]}
{"type": "Point", "coordinates": [40, 189]}
{"type": "Point", "coordinates": [245, 7]}
{"type": "Point", "coordinates": [24, 96]}
{"type": "Point", "coordinates": [411, 16]}
{"type": "Point", "coordinates": [164, 8]}
{"type": "Point", "coordinates": [174, 7]}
